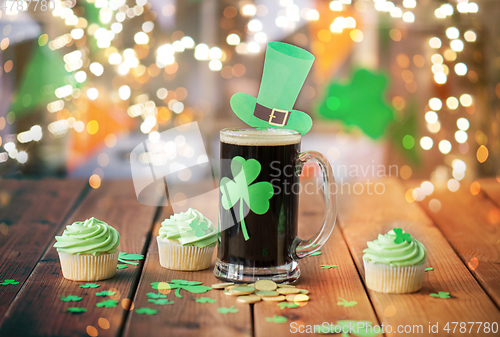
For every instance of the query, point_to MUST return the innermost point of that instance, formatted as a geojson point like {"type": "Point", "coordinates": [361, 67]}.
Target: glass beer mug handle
{"type": "Point", "coordinates": [304, 248]}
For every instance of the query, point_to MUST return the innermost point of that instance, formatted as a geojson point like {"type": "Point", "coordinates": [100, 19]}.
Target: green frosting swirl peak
{"type": "Point", "coordinates": [385, 251]}
{"type": "Point", "coordinates": [189, 228]}
{"type": "Point", "coordinates": [91, 236]}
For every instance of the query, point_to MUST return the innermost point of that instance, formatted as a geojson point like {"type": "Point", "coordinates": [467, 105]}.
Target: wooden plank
{"type": "Point", "coordinates": [31, 211]}
{"type": "Point", "coordinates": [186, 317]}
{"type": "Point", "coordinates": [38, 310]}
{"type": "Point", "coordinates": [471, 224]}
{"type": "Point", "coordinates": [491, 187]}
{"type": "Point", "coordinates": [364, 216]}
{"type": "Point", "coordinates": [326, 286]}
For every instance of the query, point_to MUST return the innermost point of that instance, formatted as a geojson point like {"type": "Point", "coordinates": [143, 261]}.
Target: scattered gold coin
{"type": "Point", "coordinates": [286, 286]}
{"type": "Point", "coordinates": [297, 298]}
{"type": "Point", "coordinates": [252, 285]}
{"type": "Point", "coordinates": [221, 285]}
{"type": "Point", "coordinates": [304, 291]}
{"type": "Point", "coordinates": [242, 290]}
{"type": "Point", "coordinates": [235, 286]}
{"type": "Point", "coordinates": [274, 299]}
{"type": "Point", "coordinates": [288, 291]}
{"type": "Point", "coordinates": [266, 293]}
{"type": "Point", "coordinates": [248, 299]}
{"type": "Point", "coordinates": [226, 292]}
{"type": "Point", "coordinates": [265, 285]}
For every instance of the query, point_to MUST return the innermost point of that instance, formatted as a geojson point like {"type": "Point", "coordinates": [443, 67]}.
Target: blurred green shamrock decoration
{"type": "Point", "coordinates": [353, 328]}
{"type": "Point", "coordinates": [156, 296]}
{"type": "Point", "coordinates": [205, 300]}
{"type": "Point", "coordinates": [107, 304]}
{"type": "Point", "coordinates": [76, 310]}
{"type": "Point", "coordinates": [318, 252]}
{"type": "Point", "coordinates": [429, 269]}
{"type": "Point", "coordinates": [441, 294]}
{"type": "Point", "coordinates": [329, 266]}
{"type": "Point", "coordinates": [401, 237]}
{"type": "Point", "coordinates": [126, 258]}
{"type": "Point", "coordinates": [8, 282]}
{"type": "Point", "coordinates": [361, 103]}
{"type": "Point", "coordinates": [241, 189]}
{"type": "Point", "coordinates": [106, 293]}
{"type": "Point", "coordinates": [198, 228]}
{"type": "Point", "coordinates": [121, 266]}
{"type": "Point", "coordinates": [276, 319]}
{"type": "Point", "coordinates": [146, 311]}
{"type": "Point", "coordinates": [193, 287]}
{"type": "Point", "coordinates": [90, 285]}
{"type": "Point", "coordinates": [71, 298]}
{"type": "Point", "coordinates": [346, 303]}
{"type": "Point", "coordinates": [231, 310]}
{"type": "Point", "coordinates": [161, 301]}
{"type": "Point", "coordinates": [290, 305]}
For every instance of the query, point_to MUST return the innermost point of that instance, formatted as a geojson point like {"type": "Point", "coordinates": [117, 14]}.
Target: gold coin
{"type": "Point", "coordinates": [252, 285]}
{"type": "Point", "coordinates": [288, 291]}
{"type": "Point", "coordinates": [248, 299]}
{"type": "Point", "coordinates": [266, 293]}
{"type": "Point", "coordinates": [234, 286]}
{"type": "Point", "coordinates": [304, 291]}
{"type": "Point", "coordinates": [222, 285]}
{"type": "Point", "coordinates": [274, 299]}
{"type": "Point", "coordinates": [226, 292]}
{"type": "Point", "coordinates": [297, 298]}
{"type": "Point", "coordinates": [265, 285]}
{"type": "Point", "coordinates": [242, 290]}
{"type": "Point", "coordinates": [286, 286]}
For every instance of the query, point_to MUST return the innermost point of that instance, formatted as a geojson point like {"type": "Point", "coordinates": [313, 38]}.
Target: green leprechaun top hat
{"type": "Point", "coordinates": [285, 71]}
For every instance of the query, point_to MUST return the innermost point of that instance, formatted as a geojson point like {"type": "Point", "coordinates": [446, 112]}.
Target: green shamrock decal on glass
{"type": "Point", "coordinates": [8, 282]}
{"type": "Point", "coordinates": [76, 310]}
{"type": "Point", "coordinates": [441, 294]}
{"type": "Point", "coordinates": [276, 319]}
{"type": "Point", "coordinates": [161, 301]}
{"type": "Point", "coordinates": [329, 266]}
{"type": "Point", "coordinates": [147, 311]}
{"type": "Point", "coordinates": [107, 304]}
{"type": "Point", "coordinates": [121, 266]}
{"type": "Point", "coordinates": [90, 285]}
{"type": "Point", "coordinates": [126, 258]}
{"type": "Point", "coordinates": [156, 296]}
{"type": "Point", "coordinates": [429, 269]}
{"type": "Point", "coordinates": [401, 237]}
{"type": "Point", "coordinates": [71, 298]}
{"type": "Point", "coordinates": [205, 300]}
{"type": "Point", "coordinates": [106, 293]}
{"type": "Point", "coordinates": [199, 228]}
{"type": "Point", "coordinates": [241, 189]}
{"type": "Point", "coordinates": [290, 305]}
{"type": "Point", "coordinates": [346, 303]}
{"type": "Point", "coordinates": [231, 310]}
{"type": "Point", "coordinates": [193, 287]}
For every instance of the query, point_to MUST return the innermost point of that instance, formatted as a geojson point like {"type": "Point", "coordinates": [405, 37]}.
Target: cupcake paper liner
{"type": "Point", "coordinates": [87, 267]}
{"type": "Point", "coordinates": [177, 257]}
{"type": "Point", "coordinates": [396, 280]}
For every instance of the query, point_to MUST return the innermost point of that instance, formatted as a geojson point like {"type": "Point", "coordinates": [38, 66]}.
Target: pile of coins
{"type": "Point", "coordinates": [263, 290]}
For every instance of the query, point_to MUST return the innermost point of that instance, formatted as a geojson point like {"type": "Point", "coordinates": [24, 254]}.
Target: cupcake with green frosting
{"type": "Point", "coordinates": [186, 241]}
{"type": "Point", "coordinates": [394, 263]}
{"type": "Point", "coordinates": [88, 250]}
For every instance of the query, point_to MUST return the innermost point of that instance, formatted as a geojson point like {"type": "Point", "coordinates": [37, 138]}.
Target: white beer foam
{"type": "Point", "coordinates": [259, 137]}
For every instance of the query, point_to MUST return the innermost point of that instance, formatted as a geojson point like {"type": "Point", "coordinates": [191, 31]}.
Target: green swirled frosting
{"type": "Point", "coordinates": [91, 236]}
{"type": "Point", "coordinates": [189, 228]}
{"type": "Point", "coordinates": [385, 251]}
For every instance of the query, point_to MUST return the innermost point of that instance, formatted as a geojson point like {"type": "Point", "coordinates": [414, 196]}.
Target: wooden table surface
{"type": "Point", "coordinates": [462, 238]}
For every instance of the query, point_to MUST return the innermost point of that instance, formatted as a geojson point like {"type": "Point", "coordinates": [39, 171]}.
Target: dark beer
{"type": "Point", "coordinates": [271, 235]}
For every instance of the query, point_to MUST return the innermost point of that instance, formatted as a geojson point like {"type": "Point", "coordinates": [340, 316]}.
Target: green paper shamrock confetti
{"type": "Point", "coordinates": [76, 310]}
{"type": "Point", "coordinates": [155, 295]}
{"type": "Point", "coordinates": [276, 319]}
{"type": "Point", "coordinates": [161, 301]}
{"type": "Point", "coordinates": [8, 282]}
{"type": "Point", "coordinates": [71, 298]}
{"type": "Point", "coordinates": [429, 269]}
{"type": "Point", "coordinates": [401, 237]}
{"type": "Point", "coordinates": [90, 285]}
{"type": "Point", "coordinates": [329, 266]}
{"type": "Point", "coordinates": [121, 266]}
{"type": "Point", "coordinates": [126, 258]}
{"type": "Point", "coordinates": [353, 328]}
{"type": "Point", "coordinates": [290, 305]}
{"type": "Point", "coordinates": [231, 310]}
{"type": "Point", "coordinates": [256, 196]}
{"type": "Point", "coordinates": [193, 287]}
{"type": "Point", "coordinates": [106, 293]}
{"type": "Point", "coordinates": [107, 304]}
{"type": "Point", "coordinates": [316, 253]}
{"type": "Point", "coordinates": [205, 300]}
{"type": "Point", "coordinates": [199, 228]}
{"type": "Point", "coordinates": [441, 294]}
{"type": "Point", "coordinates": [147, 311]}
{"type": "Point", "coordinates": [346, 303]}
{"type": "Point", "coordinates": [361, 103]}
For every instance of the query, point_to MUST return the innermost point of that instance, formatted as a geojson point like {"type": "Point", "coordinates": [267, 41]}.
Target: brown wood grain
{"type": "Point", "coordinates": [365, 216]}
{"type": "Point", "coordinates": [326, 286]}
{"type": "Point", "coordinates": [38, 310]}
{"type": "Point", "coordinates": [491, 187]}
{"type": "Point", "coordinates": [471, 224]}
{"type": "Point", "coordinates": [31, 211]}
